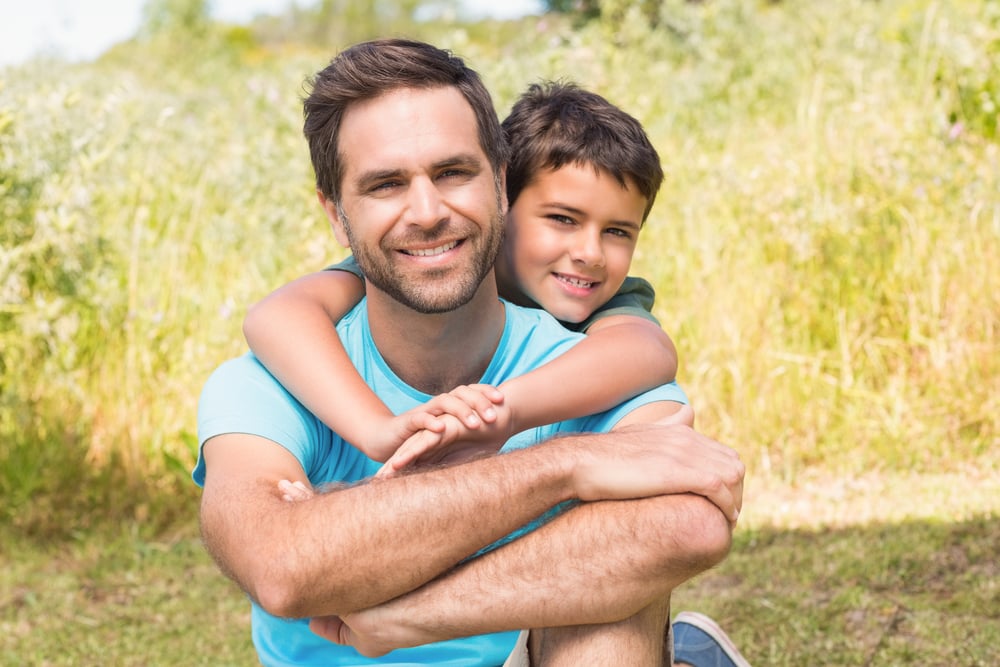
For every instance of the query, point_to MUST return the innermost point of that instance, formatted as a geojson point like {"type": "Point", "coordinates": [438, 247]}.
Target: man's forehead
{"type": "Point", "coordinates": [406, 127]}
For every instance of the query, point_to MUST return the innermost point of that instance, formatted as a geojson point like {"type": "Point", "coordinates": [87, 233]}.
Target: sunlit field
{"type": "Point", "coordinates": [826, 253]}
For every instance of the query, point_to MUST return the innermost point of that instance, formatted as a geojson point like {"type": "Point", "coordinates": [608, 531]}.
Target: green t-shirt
{"type": "Point", "coordinates": [635, 298]}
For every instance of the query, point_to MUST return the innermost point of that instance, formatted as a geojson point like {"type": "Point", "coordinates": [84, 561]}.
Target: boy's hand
{"type": "Point", "coordinates": [473, 405]}
{"type": "Point", "coordinates": [475, 420]}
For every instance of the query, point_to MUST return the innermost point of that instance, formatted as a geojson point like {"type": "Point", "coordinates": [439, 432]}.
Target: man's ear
{"type": "Point", "coordinates": [333, 215]}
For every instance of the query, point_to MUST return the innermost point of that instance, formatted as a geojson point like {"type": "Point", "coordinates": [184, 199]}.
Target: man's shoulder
{"type": "Point", "coordinates": [239, 381]}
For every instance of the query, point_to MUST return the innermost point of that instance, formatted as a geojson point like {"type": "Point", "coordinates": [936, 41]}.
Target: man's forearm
{"type": "Point", "coordinates": [598, 563]}
{"type": "Point", "coordinates": [357, 547]}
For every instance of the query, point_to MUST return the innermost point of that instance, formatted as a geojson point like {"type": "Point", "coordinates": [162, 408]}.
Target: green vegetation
{"type": "Point", "coordinates": [824, 250]}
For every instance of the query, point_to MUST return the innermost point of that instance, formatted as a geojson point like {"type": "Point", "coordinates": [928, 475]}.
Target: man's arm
{"type": "Point", "coordinates": [357, 547]}
{"type": "Point", "coordinates": [600, 562]}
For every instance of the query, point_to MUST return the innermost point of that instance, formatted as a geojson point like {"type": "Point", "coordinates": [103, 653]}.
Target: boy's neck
{"type": "Point", "coordinates": [436, 353]}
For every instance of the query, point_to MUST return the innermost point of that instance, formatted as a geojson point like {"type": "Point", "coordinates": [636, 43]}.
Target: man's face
{"type": "Point", "coordinates": [420, 207]}
{"type": "Point", "coordinates": [570, 238]}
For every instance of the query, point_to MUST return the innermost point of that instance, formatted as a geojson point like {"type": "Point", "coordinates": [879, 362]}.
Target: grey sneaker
{"type": "Point", "coordinates": [700, 642]}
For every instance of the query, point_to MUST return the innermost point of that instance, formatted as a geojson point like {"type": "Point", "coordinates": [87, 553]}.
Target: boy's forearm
{"type": "Point", "coordinates": [615, 362]}
{"type": "Point", "coordinates": [293, 333]}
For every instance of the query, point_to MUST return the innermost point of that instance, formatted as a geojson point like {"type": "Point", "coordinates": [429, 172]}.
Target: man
{"type": "Point", "coordinates": [409, 161]}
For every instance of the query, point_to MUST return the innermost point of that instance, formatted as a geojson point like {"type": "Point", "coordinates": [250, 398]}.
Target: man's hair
{"type": "Point", "coordinates": [370, 69]}
{"type": "Point", "coordinates": [557, 123]}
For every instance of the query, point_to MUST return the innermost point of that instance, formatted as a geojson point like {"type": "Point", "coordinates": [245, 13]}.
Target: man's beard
{"type": "Point", "coordinates": [438, 292]}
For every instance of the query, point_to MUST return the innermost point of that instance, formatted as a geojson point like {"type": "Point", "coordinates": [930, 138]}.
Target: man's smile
{"type": "Point", "coordinates": [430, 252]}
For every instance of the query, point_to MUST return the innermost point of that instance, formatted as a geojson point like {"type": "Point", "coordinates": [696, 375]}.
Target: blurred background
{"type": "Point", "coordinates": [825, 249]}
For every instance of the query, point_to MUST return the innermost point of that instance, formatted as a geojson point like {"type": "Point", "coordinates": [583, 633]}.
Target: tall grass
{"type": "Point", "coordinates": [824, 248]}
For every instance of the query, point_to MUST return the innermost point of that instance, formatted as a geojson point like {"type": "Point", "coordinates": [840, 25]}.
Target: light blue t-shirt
{"type": "Point", "coordinates": [242, 397]}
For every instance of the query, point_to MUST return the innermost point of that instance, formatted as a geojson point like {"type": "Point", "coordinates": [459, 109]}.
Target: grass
{"type": "Point", "coordinates": [830, 573]}
{"type": "Point", "coordinates": [107, 598]}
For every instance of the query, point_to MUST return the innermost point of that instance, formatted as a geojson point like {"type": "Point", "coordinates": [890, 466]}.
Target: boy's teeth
{"type": "Point", "coordinates": [576, 282]}
{"type": "Point", "coordinates": [430, 252]}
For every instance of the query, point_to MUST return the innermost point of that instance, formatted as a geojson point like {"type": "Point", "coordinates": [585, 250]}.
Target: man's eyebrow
{"type": "Point", "coordinates": [461, 160]}
{"type": "Point", "coordinates": [371, 178]}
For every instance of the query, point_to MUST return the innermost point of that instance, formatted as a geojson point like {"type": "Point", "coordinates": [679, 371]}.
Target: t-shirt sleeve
{"type": "Point", "coordinates": [605, 421]}
{"type": "Point", "coordinates": [242, 397]}
{"type": "Point", "coordinates": [349, 264]}
{"type": "Point", "coordinates": [635, 298]}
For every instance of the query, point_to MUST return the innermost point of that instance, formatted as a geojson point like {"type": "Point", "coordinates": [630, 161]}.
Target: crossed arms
{"type": "Point", "coordinates": [658, 501]}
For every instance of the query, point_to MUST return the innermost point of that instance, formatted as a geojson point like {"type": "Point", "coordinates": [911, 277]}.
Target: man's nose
{"type": "Point", "coordinates": [424, 205]}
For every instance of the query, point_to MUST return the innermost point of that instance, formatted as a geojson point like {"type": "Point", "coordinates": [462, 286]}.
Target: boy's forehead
{"type": "Point", "coordinates": [617, 183]}
{"type": "Point", "coordinates": [586, 189]}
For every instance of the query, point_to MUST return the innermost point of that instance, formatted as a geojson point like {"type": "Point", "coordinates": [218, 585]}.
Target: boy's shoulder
{"type": "Point", "coordinates": [634, 298]}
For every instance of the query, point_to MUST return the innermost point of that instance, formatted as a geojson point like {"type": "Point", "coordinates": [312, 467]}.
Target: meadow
{"type": "Point", "coordinates": [825, 252]}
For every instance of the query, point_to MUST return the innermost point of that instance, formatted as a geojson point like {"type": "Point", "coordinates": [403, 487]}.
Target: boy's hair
{"type": "Point", "coordinates": [557, 123]}
{"type": "Point", "coordinates": [370, 69]}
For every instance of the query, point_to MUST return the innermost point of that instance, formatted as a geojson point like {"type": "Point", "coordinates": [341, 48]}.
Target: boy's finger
{"type": "Point", "coordinates": [478, 398]}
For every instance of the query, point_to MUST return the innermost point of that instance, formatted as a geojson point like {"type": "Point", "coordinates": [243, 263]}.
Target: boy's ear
{"type": "Point", "coordinates": [333, 215]}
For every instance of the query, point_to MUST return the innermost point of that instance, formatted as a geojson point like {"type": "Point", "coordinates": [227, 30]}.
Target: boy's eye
{"type": "Point", "coordinates": [561, 219]}
{"type": "Point", "coordinates": [621, 233]}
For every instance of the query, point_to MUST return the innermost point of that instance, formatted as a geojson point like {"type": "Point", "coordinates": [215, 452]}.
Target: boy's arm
{"type": "Point", "coordinates": [622, 356]}
{"type": "Point", "coordinates": [292, 332]}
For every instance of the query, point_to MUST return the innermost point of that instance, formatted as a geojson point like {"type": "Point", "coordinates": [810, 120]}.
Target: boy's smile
{"type": "Point", "coordinates": [570, 238]}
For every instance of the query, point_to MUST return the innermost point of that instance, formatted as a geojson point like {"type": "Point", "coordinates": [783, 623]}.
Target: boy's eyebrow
{"type": "Point", "coordinates": [375, 176]}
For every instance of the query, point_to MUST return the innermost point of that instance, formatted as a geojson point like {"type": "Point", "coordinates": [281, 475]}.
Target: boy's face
{"type": "Point", "coordinates": [570, 238]}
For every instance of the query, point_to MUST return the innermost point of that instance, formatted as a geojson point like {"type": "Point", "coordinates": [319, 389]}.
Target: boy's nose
{"type": "Point", "coordinates": [587, 249]}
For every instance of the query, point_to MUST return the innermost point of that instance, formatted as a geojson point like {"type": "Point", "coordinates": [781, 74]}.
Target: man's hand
{"type": "Point", "coordinates": [375, 642]}
{"type": "Point", "coordinates": [659, 459]}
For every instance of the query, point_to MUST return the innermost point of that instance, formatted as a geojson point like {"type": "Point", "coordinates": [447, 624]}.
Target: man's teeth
{"type": "Point", "coordinates": [576, 282]}
{"type": "Point", "coordinates": [430, 252]}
